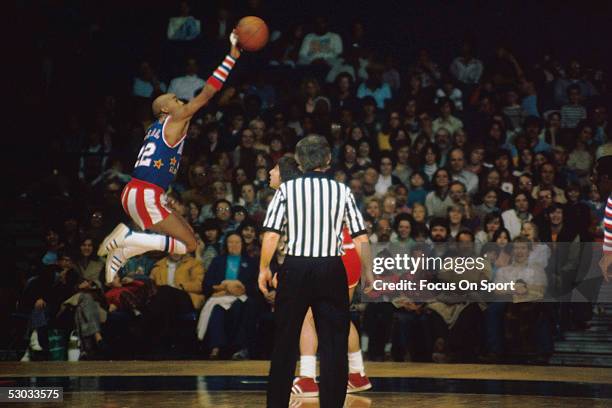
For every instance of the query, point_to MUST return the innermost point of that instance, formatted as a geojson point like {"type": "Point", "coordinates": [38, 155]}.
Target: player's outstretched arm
{"type": "Point", "coordinates": [213, 85]}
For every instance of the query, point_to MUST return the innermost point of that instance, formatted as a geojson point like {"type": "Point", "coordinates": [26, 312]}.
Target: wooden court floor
{"type": "Point", "coordinates": [248, 399]}
{"type": "Point", "coordinates": [115, 384]}
{"type": "Point", "coordinates": [595, 375]}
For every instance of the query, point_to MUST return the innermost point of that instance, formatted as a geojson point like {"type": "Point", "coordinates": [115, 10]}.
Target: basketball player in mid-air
{"type": "Point", "coordinates": [144, 198]}
{"type": "Point", "coordinates": [305, 384]}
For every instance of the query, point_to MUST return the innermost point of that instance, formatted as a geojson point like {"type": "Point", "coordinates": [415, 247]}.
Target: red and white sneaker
{"type": "Point", "coordinates": [357, 383]}
{"type": "Point", "coordinates": [305, 387]}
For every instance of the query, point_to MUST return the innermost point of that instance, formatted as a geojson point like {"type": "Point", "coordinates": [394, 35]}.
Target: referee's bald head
{"type": "Point", "coordinates": [313, 152]}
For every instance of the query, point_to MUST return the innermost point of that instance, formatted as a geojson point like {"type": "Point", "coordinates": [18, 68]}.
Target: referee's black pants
{"type": "Point", "coordinates": [321, 284]}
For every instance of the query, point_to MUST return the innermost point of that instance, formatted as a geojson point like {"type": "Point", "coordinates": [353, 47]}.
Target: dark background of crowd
{"type": "Point", "coordinates": [87, 72]}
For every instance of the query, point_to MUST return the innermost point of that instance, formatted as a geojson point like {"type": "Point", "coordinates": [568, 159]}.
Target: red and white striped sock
{"type": "Point", "coordinates": [155, 242]}
{"type": "Point", "coordinates": [219, 76]}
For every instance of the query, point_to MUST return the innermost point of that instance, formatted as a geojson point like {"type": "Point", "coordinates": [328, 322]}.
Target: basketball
{"type": "Point", "coordinates": [252, 33]}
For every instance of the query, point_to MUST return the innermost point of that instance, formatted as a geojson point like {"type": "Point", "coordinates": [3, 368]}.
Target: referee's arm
{"type": "Point", "coordinates": [273, 226]}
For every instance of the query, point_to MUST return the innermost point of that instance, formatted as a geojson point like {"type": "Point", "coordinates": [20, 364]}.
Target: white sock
{"type": "Point", "coordinates": [129, 252]}
{"type": "Point", "coordinates": [308, 366]}
{"type": "Point", "coordinates": [155, 242]}
{"type": "Point", "coordinates": [356, 363]}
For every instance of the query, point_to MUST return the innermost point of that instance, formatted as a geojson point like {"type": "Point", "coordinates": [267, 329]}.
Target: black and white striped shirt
{"type": "Point", "coordinates": [311, 209]}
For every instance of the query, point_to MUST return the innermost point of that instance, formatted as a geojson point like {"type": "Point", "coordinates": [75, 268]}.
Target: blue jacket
{"type": "Point", "coordinates": [247, 274]}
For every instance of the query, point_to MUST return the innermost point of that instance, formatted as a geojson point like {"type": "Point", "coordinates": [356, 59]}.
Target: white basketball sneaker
{"type": "Point", "coordinates": [115, 260]}
{"type": "Point", "coordinates": [114, 240]}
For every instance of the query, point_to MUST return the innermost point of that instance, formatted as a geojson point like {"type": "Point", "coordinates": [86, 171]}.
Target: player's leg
{"type": "Point", "coordinates": [177, 228]}
{"type": "Point", "coordinates": [304, 385]}
{"type": "Point", "coordinates": [147, 208]}
{"type": "Point", "coordinates": [357, 380]}
{"type": "Point", "coordinates": [353, 340]}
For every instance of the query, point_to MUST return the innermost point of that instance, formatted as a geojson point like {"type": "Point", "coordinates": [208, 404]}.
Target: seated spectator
{"type": "Point", "coordinates": [492, 222]}
{"type": "Point", "coordinates": [490, 203]}
{"type": "Point", "coordinates": [370, 123]}
{"type": "Point", "coordinates": [185, 87]}
{"type": "Point", "coordinates": [547, 179]}
{"type": "Point", "coordinates": [312, 96]}
{"type": "Point", "coordinates": [383, 138]}
{"type": "Point", "coordinates": [182, 272]}
{"type": "Point", "coordinates": [456, 317]}
{"type": "Point", "coordinates": [530, 100]}
{"type": "Point", "coordinates": [442, 139]}
{"type": "Point", "coordinates": [184, 27]}
{"type": "Point", "coordinates": [402, 230]}
{"type": "Point", "coordinates": [219, 191]}
{"type": "Point", "coordinates": [87, 264]}
{"type": "Point", "coordinates": [455, 215]}
{"type": "Point", "coordinates": [459, 173]}
{"type": "Point", "coordinates": [249, 232]}
{"type": "Point", "coordinates": [373, 207]}
{"type": "Point", "coordinates": [417, 192]}
{"type": "Point", "coordinates": [446, 119]}
{"type": "Point", "coordinates": [580, 159]}
{"type": "Point", "coordinates": [573, 112]}
{"type": "Point", "coordinates": [370, 178]}
{"type": "Point", "coordinates": [423, 96]}
{"type": "Point", "coordinates": [513, 111]}
{"type": "Point", "coordinates": [54, 245]}
{"type": "Point", "coordinates": [460, 139]}
{"type": "Point", "coordinates": [449, 91]}
{"type": "Point", "coordinates": [365, 153]}
{"type": "Point", "coordinates": [427, 70]}
{"type": "Point", "coordinates": [248, 199]}
{"type": "Point", "coordinates": [501, 239]}
{"type": "Point", "coordinates": [348, 161]}
{"type": "Point", "coordinates": [126, 295]}
{"type": "Point", "coordinates": [431, 157]}
{"type": "Point", "coordinates": [211, 232]}
{"type": "Point", "coordinates": [321, 46]}
{"type": "Point", "coordinates": [197, 181]}
{"type": "Point", "coordinates": [146, 84]}
{"type": "Point", "coordinates": [540, 252]}
{"type": "Point", "coordinates": [39, 303]}
{"type": "Point", "coordinates": [232, 275]}
{"type": "Point", "coordinates": [390, 74]}
{"type": "Point", "coordinates": [410, 336]}
{"type": "Point", "coordinates": [528, 324]}
{"type": "Point", "coordinates": [514, 218]}
{"type": "Point", "coordinates": [466, 68]}
{"type": "Point", "coordinates": [574, 77]}
{"type": "Point", "coordinates": [389, 206]}
{"type": "Point", "coordinates": [374, 86]}
{"type": "Point", "coordinates": [475, 159]}
{"type": "Point", "coordinates": [386, 179]}
{"type": "Point", "coordinates": [402, 168]}
{"type": "Point", "coordinates": [438, 200]}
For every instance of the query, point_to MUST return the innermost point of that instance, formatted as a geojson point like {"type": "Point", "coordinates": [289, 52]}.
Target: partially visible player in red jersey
{"type": "Point", "coordinates": [144, 198]}
{"type": "Point", "coordinates": [305, 384]}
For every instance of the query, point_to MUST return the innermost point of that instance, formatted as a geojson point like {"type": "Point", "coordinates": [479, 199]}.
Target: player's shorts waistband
{"type": "Point", "coordinates": [134, 182]}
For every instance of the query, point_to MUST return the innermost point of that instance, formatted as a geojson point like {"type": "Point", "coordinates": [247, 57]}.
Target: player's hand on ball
{"type": "Point", "coordinates": [235, 51]}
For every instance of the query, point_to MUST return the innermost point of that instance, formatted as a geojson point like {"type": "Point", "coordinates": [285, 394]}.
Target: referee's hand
{"type": "Point", "coordinates": [265, 279]}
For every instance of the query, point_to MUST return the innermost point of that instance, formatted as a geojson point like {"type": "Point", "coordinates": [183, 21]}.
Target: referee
{"type": "Point", "coordinates": [311, 209]}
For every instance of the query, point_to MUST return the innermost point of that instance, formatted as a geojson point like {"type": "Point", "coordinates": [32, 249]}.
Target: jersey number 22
{"type": "Point", "coordinates": [144, 157]}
